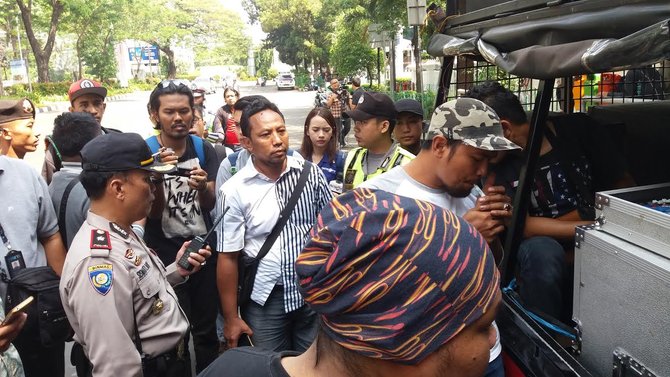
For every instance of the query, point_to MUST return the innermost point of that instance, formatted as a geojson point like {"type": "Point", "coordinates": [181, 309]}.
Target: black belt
{"type": "Point", "coordinates": [159, 365]}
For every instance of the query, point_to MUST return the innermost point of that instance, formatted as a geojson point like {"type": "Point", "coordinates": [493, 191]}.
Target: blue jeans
{"type": "Point", "coordinates": [276, 330]}
{"type": "Point", "coordinates": [542, 273]}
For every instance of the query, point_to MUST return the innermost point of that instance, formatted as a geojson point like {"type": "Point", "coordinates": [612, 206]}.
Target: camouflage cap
{"type": "Point", "coordinates": [471, 121]}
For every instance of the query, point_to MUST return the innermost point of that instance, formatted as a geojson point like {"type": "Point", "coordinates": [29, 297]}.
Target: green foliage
{"type": "Point", "coordinates": [272, 72]}
{"type": "Point", "coordinates": [351, 54]}
{"type": "Point", "coordinates": [263, 61]}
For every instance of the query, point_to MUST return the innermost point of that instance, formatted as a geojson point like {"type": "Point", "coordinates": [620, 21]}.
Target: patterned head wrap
{"type": "Point", "coordinates": [395, 278]}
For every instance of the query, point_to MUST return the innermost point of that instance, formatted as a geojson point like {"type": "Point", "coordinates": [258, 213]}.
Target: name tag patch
{"type": "Point", "coordinates": [101, 277]}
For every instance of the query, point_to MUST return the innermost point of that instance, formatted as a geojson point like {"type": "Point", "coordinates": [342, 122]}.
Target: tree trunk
{"type": "Point", "coordinates": [42, 55]}
{"type": "Point", "coordinates": [172, 66]}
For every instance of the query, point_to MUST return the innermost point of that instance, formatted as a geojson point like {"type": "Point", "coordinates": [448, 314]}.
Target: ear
{"type": "Point", "coordinates": [153, 115]}
{"type": "Point", "coordinates": [385, 126]}
{"type": "Point", "coordinates": [507, 128]}
{"type": "Point", "coordinates": [104, 106]}
{"type": "Point", "coordinates": [70, 109]}
{"type": "Point", "coordinates": [246, 143]}
{"type": "Point", "coordinates": [116, 186]}
{"type": "Point", "coordinates": [439, 146]}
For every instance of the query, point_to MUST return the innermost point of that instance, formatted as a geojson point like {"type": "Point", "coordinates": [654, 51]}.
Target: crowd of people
{"type": "Point", "coordinates": [321, 262]}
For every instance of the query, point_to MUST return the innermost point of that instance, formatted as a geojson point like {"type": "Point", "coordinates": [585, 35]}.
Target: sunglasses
{"type": "Point", "coordinates": [166, 83]}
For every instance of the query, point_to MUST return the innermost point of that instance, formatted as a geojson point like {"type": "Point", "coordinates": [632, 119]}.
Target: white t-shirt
{"type": "Point", "coordinates": [398, 182]}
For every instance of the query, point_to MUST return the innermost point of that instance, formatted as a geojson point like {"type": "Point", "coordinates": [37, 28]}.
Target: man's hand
{"type": "Point", "coordinates": [10, 330]}
{"type": "Point", "coordinates": [233, 329]}
{"type": "Point", "coordinates": [197, 179]}
{"type": "Point", "coordinates": [485, 223]}
{"type": "Point", "coordinates": [197, 260]}
{"type": "Point", "coordinates": [167, 156]}
{"type": "Point", "coordinates": [496, 202]}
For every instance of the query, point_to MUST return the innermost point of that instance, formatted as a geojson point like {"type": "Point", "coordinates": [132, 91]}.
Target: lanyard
{"type": "Point", "coordinates": [4, 238]}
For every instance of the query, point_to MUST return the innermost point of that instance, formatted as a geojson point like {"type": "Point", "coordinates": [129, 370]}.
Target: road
{"type": "Point", "coordinates": [130, 115]}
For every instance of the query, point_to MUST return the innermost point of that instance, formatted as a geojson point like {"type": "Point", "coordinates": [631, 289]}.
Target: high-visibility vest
{"type": "Point", "coordinates": [353, 173]}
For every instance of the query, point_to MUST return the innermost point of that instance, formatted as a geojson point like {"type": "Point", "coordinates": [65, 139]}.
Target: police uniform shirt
{"type": "Point", "coordinates": [108, 273]}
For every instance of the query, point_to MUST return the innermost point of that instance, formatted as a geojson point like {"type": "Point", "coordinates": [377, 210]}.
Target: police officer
{"type": "Point", "coordinates": [116, 292]}
{"type": "Point", "coordinates": [374, 117]}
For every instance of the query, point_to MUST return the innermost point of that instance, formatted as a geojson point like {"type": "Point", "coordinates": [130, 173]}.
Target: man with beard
{"type": "Point", "coordinates": [182, 210]}
{"type": "Point", "coordinates": [464, 135]}
{"type": "Point", "coordinates": [275, 317]}
{"type": "Point", "coordinates": [17, 118]}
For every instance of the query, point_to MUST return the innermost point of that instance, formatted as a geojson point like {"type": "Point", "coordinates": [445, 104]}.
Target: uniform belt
{"type": "Point", "coordinates": [158, 365]}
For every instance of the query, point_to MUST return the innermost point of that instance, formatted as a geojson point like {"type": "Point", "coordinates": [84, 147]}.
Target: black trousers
{"type": "Point", "coordinates": [199, 298]}
{"type": "Point", "coordinates": [39, 361]}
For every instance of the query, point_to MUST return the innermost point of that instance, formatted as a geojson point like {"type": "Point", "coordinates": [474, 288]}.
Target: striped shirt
{"type": "Point", "coordinates": [254, 202]}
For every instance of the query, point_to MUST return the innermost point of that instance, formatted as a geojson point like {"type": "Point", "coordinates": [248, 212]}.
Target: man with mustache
{"type": "Point", "coordinates": [182, 209]}
{"type": "Point", "coordinates": [276, 317]}
{"type": "Point", "coordinates": [116, 292]}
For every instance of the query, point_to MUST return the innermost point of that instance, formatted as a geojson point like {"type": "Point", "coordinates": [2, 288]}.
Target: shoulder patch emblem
{"type": "Point", "coordinates": [130, 254]}
{"type": "Point", "coordinates": [100, 239]}
{"type": "Point", "coordinates": [101, 277]}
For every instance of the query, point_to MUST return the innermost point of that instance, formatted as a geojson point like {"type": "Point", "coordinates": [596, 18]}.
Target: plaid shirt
{"type": "Point", "coordinates": [336, 108]}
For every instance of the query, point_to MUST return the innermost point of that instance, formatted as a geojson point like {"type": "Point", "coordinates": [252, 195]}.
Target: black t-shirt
{"type": "Point", "coordinates": [248, 362]}
{"type": "Point", "coordinates": [357, 95]}
{"type": "Point", "coordinates": [154, 236]}
{"type": "Point", "coordinates": [594, 163]}
{"type": "Point", "coordinates": [552, 192]}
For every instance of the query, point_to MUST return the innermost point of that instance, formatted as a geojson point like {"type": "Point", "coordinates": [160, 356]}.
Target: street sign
{"type": "Point", "coordinates": [18, 69]}
{"type": "Point", "coordinates": [416, 12]}
{"type": "Point", "coordinates": [145, 55]}
{"type": "Point", "coordinates": [378, 38]}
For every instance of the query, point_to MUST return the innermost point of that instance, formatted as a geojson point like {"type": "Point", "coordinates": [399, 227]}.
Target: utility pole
{"type": "Point", "coordinates": [416, 10]}
{"type": "Point", "coordinates": [25, 63]}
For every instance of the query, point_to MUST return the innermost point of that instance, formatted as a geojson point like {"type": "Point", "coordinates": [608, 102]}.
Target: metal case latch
{"type": "Point", "coordinates": [625, 365]}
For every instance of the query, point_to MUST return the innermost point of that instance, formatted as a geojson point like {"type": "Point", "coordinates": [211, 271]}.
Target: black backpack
{"type": "Point", "coordinates": [46, 322]}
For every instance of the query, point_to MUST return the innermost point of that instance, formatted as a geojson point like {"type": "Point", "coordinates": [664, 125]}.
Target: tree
{"type": "Point", "coordinates": [292, 27]}
{"type": "Point", "coordinates": [29, 13]}
{"type": "Point", "coordinates": [351, 54]}
{"type": "Point", "coordinates": [221, 39]}
{"type": "Point", "coordinates": [92, 23]}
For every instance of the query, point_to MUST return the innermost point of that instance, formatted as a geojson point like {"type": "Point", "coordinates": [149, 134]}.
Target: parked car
{"type": "Point", "coordinates": [285, 81]}
{"type": "Point", "coordinates": [204, 83]}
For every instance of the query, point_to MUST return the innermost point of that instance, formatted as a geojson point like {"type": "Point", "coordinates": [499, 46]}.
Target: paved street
{"type": "Point", "coordinates": [130, 114]}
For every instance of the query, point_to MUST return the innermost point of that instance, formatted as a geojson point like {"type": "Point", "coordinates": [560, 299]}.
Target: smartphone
{"type": "Point", "coordinates": [20, 308]}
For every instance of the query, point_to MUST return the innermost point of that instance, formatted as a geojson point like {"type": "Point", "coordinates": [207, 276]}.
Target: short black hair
{"type": "Point", "coordinates": [72, 131]}
{"type": "Point", "coordinates": [200, 109]}
{"type": "Point", "coordinates": [356, 81]}
{"type": "Point", "coordinates": [245, 101]}
{"type": "Point", "coordinates": [95, 182]}
{"type": "Point", "coordinates": [168, 87]}
{"type": "Point", "coordinates": [505, 103]}
{"type": "Point", "coordinates": [254, 108]}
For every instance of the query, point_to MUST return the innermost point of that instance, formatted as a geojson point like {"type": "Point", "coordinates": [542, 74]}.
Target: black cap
{"type": "Point", "coordinates": [120, 152]}
{"type": "Point", "coordinates": [373, 105]}
{"type": "Point", "coordinates": [13, 109]}
{"type": "Point", "coordinates": [409, 105]}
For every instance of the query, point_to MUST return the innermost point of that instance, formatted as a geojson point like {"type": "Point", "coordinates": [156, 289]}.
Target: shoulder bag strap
{"type": "Point", "coordinates": [286, 212]}
{"type": "Point", "coordinates": [63, 208]}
